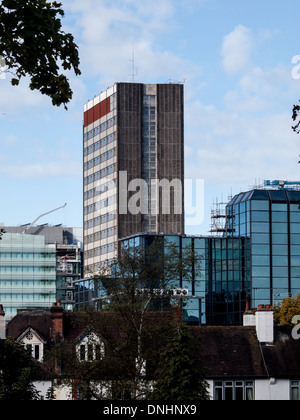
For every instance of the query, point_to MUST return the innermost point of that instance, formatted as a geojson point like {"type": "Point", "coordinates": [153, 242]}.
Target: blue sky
{"type": "Point", "coordinates": [236, 60]}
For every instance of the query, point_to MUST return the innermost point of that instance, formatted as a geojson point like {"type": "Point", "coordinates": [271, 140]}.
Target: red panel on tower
{"type": "Point", "coordinates": [97, 112]}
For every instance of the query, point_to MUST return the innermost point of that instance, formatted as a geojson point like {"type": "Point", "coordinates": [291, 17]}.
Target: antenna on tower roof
{"type": "Point", "coordinates": [133, 75]}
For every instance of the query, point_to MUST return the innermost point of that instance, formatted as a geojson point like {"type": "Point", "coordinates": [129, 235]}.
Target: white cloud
{"type": "Point", "coordinates": [236, 50]}
{"type": "Point", "coordinates": [15, 98]}
{"type": "Point", "coordinates": [233, 151]}
{"type": "Point", "coordinates": [109, 32]}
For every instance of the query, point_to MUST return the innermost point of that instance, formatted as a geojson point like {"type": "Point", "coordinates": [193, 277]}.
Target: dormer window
{"type": "Point", "coordinates": [31, 340]}
{"type": "Point", "coordinates": [90, 348]}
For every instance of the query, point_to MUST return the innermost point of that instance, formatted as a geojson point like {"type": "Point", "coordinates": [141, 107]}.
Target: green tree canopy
{"type": "Point", "coordinates": [16, 373]}
{"type": "Point", "coordinates": [33, 44]}
{"type": "Point", "coordinates": [287, 310]}
{"type": "Point", "coordinates": [296, 113]}
{"type": "Point", "coordinates": [136, 319]}
{"type": "Point", "coordinates": [179, 375]}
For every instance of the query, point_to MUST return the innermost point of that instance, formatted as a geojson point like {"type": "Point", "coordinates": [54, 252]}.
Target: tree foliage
{"type": "Point", "coordinates": [142, 282]}
{"type": "Point", "coordinates": [296, 114]}
{"type": "Point", "coordinates": [285, 312]}
{"type": "Point", "coordinates": [134, 319]}
{"type": "Point", "coordinates": [16, 373]}
{"type": "Point", "coordinates": [33, 44]}
{"type": "Point", "coordinates": [179, 375]}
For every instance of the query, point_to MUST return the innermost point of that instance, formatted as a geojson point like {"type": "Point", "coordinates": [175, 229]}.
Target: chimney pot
{"type": "Point", "coordinates": [248, 302]}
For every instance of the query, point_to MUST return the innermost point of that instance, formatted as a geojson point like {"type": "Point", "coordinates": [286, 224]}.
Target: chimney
{"type": "Point", "coordinates": [249, 319]}
{"type": "Point", "coordinates": [57, 313]}
{"type": "Point", "coordinates": [265, 324]}
{"type": "Point", "coordinates": [2, 324]}
{"type": "Point", "coordinates": [263, 320]}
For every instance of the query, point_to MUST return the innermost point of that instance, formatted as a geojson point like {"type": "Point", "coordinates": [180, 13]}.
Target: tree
{"type": "Point", "coordinates": [2, 231]}
{"type": "Point", "coordinates": [142, 282]}
{"type": "Point", "coordinates": [287, 310]}
{"type": "Point", "coordinates": [135, 320]}
{"type": "Point", "coordinates": [16, 373]}
{"type": "Point", "coordinates": [179, 376]}
{"type": "Point", "coordinates": [296, 114]}
{"type": "Point", "coordinates": [33, 44]}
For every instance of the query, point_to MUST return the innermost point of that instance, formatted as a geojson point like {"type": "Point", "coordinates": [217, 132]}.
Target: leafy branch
{"type": "Point", "coordinates": [296, 113]}
{"type": "Point", "coordinates": [33, 44]}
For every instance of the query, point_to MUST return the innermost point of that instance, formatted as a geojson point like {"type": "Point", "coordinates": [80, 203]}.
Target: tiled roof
{"type": "Point", "coordinates": [235, 352]}
{"type": "Point", "coordinates": [223, 352]}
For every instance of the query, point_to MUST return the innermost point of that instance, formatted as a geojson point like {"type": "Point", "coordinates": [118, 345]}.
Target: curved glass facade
{"type": "Point", "coordinates": [270, 220]}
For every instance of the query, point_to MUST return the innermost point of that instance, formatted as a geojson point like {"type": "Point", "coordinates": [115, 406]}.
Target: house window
{"type": "Point", "coordinates": [234, 391]}
{"type": "Point", "coordinates": [295, 390]}
{"type": "Point", "coordinates": [35, 351]}
{"type": "Point", "coordinates": [82, 353]}
{"type": "Point", "coordinates": [90, 349]}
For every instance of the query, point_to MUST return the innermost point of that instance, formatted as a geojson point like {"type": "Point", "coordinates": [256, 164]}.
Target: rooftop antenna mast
{"type": "Point", "coordinates": [42, 215]}
{"type": "Point", "coordinates": [134, 70]}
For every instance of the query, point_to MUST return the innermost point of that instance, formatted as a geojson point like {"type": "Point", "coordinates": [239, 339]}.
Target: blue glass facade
{"type": "Point", "coordinates": [89, 291]}
{"type": "Point", "coordinates": [217, 289]}
{"type": "Point", "coordinates": [27, 273]}
{"type": "Point", "coordinates": [258, 258]}
{"type": "Point", "coordinates": [270, 221]}
{"type": "Point", "coordinates": [228, 280]}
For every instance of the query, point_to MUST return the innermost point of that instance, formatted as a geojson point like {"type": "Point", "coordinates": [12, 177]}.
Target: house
{"type": "Point", "coordinates": [254, 362]}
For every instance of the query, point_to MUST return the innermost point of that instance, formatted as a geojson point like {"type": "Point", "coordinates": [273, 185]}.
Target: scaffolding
{"type": "Point", "coordinates": [219, 218]}
{"type": "Point", "coordinates": [276, 185]}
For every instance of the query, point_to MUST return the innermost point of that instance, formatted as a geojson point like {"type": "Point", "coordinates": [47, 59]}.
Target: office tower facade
{"type": "Point", "coordinates": [68, 248]}
{"type": "Point", "coordinates": [133, 167]}
{"type": "Point", "coordinates": [27, 273]}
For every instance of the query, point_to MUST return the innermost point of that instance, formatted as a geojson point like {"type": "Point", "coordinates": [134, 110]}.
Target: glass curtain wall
{"type": "Point", "coordinates": [228, 284]}
{"type": "Point", "coordinates": [270, 219]}
{"type": "Point", "coordinates": [27, 273]}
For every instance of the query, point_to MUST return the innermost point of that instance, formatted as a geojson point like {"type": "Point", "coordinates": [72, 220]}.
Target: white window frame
{"type": "Point", "coordinates": [90, 342]}
{"type": "Point", "coordinates": [245, 385]}
{"type": "Point", "coordinates": [295, 385]}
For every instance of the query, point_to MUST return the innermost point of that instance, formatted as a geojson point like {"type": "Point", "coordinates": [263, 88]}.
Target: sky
{"type": "Point", "coordinates": [238, 62]}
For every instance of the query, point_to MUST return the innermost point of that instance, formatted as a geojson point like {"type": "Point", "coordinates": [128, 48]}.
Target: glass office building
{"type": "Point", "coordinates": [269, 220]}
{"type": "Point", "coordinates": [90, 291]}
{"type": "Point", "coordinates": [258, 258]}
{"type": "Point", "coordinates": [228, 280]}
{"type": "Point", "coordinates": [217, 287]}
{"type": "Point", "coordinates": [27, 273]}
